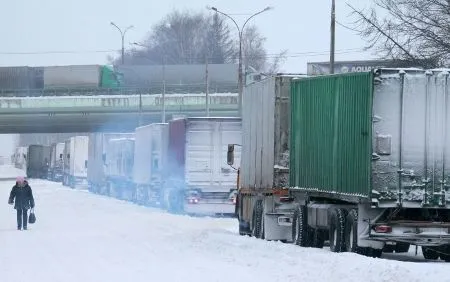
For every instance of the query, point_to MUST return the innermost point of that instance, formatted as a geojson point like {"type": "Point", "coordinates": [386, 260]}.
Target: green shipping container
{"type": "Point", "coordinates": [331, 133]}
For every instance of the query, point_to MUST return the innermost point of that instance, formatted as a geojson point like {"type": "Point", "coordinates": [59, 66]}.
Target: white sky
{"type": "Point", "coordinates": [81, 26]}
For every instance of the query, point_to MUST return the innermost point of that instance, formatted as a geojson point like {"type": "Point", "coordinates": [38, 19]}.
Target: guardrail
{"type": "Point", "coordinates": [169, 89]}
{"type": "Point", "coordinates": [118, 103]}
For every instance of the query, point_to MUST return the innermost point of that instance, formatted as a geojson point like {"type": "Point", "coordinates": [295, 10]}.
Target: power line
{"type": "Point", "coordinates": [347, 27]}
{"type": "Point", "coordinates": [270, 55]}
{"type": "Point", "coordinates": [58, 52]}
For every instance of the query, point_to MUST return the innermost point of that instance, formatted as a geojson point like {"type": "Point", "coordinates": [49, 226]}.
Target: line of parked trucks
{"type": "Point", "coordinates": [361, 160]}
{"type": "Point", "coordinates": [64, 162]}
{"type": "Point", "coordinates": [180, 166]}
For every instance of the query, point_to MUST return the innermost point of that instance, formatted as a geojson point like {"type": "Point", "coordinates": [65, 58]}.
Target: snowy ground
{"type": "Point", "coordinates": [82, 237]}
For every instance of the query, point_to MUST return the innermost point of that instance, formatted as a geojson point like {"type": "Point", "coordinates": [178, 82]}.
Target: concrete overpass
{"type": "Point", "coordinates": [107, 113]}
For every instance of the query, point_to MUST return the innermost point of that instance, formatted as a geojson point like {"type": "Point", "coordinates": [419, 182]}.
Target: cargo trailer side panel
{"type": "Point", "coordinates": [59, 153]}
{"type": "Point", "coordinates": [79, 156]}
{"type": "Point", "coordinates": [265, 133]}
{"type": "Point", "coordinates": [95, 172]}
{"type": "Point", "coordinates": [206, 166]}
{"type": "Point", "coordinates": [176, 151]}
{"type": "Point", "coordinates": [150, 154]}
{"type": "Point", "coordinates": [142, 155]}
{"type": "Point", "coordinates": [119, 158]}
{"type": "Point", "coordinates": [35, 157]}
{"type": "Point", "coordinates": [331, 134]}
{"type": "Point", "coordinates": [72, 76]}
{"type": "Point", "coordinates": [411, 134]}
{"type": "Point", "coordinates": [97, 149]}
{"type": "Point", "coordinates": [159, 151]}
{"type": "Point", "coordinates": [67, 156]}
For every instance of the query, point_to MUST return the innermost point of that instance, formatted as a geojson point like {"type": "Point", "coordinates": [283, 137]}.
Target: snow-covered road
{"type": "Point", "coordinates": [82, 237]}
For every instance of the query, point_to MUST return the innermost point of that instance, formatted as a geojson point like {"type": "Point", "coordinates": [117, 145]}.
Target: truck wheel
{"type": "Point", "coordinates": [351, 232]}
{"type": "Point", "coordinates": [444, 253]}
{"type": "Point", "coordinates": [402, 247]}
{"type": "Point", "coordinates": [317, 238]}
{"type": "Point", "coordinates": [375, 253]}
{"type": "Point", "coordinates": [388, 248]}
{"type": "Point", "coordinates": [257, 221]}
{"type": "Point", "coordinates": [430, 253]}
{"type": "Point", "coordinates": [337, 230]}
{"type": "Point", "coordinates": [244, 228]}
{"type": "Point", "coordinates": [300, 234]}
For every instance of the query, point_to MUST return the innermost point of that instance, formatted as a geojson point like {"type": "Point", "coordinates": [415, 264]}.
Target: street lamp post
{"type": "Point", "coordinates": [122, 34]}
{"type": "Point", "coordinates": [163, 112]}
{"type": "Point", "coordinates": [240, 32]}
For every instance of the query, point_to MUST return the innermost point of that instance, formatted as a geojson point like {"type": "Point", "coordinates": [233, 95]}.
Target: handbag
{"type": "Point", "coordinates": [32, 217]}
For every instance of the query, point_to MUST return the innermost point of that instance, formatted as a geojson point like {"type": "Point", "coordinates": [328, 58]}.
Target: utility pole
{"type": "Point", "coordinates": [332, 31]}
{"type": "Point", "coordinates": [140, 108]}
{"type": "Point", "coordinates": [164, 91]}
{"type": "Point", "coordinates": [207, 86]}
{"type": "Point", "coordinates": [122, 35]}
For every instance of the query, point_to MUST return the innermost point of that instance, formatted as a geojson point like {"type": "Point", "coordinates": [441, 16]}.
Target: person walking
{"type": "Point", "coordinates": [22, 197]}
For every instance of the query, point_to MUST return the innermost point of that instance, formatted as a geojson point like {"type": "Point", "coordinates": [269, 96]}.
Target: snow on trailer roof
{"type": "Point", "coordinates": [409, 72]}
{"type": "Point", "coordinates": [151, 124]}
{"type": "Point", "coordinates": [122, 139]}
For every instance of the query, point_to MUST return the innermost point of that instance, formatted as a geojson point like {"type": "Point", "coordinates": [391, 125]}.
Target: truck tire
{"type": "Point", "coordinates": [351, 232]}
{"type": "Point", "coordinates": [300, 234]}
{"type": "Point", "coordinates": [388, 248]}
{"type": "Point", "coordinates": [375, 253]}
{"type": "Point", "coordinates": [337, 230]}
{"type": "Point", "coordinates": [402, 247]}
{"type": "Point", "coordinates": [430, 253]}
{"type": "Point", "coordinates": [317, 238]}
{"type": "Point", "coordinates": [444, 253]}
{"type": "Point", "coordinates": [257, 229]}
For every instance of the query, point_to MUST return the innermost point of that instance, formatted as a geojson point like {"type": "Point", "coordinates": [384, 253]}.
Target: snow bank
{"type": "Point", "coordinates": [84, 237]}
{"type": "Point", "coordinates": [10, 172]}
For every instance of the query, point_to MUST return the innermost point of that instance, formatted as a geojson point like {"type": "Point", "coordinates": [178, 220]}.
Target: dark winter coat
{"type": "Point", "coordinates": [22, 197]}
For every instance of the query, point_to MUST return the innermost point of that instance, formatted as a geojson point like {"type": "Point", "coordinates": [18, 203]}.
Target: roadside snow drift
{"type": "Point", "coordinates": [81, 237]}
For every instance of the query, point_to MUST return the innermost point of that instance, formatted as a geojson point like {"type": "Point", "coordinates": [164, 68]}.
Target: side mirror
{"type": "Point", "coordinates": [68, 156]}
{"type": "Point", "coordinates": [60, 156]}
{"type": "Point", "coordinates": [104, 158]}
{"type": "Point", "coordinates": [85, 164]}
{"type": "Point", "coordinates": [230, 154]}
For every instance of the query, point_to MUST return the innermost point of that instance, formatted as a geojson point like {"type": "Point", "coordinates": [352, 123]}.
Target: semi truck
{"type": "Point", "coordinates": [96, 173]}
{"type": "Point", "coordinates": [198, 179]}
{"type": "Point", "coordinates": [55, 171]}
{"type": "Point", "coordinates": [119, 168]}
{"type": "Point", "coordinates": [37, 161]}
{"type": "Point", "coordinates": [360, 160]}
{"type": "Point", "coordinates": [75, 162]}
{"type": "Point", "coordinates": [20, 158]}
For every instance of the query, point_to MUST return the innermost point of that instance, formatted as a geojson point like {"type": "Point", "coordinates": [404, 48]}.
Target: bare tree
{"type": "Point", "coordinates": [274, 66]}
{"type": "Point", "coordinates": [415, 31]}
{"type": "Point", "coordinates": [177, 38]}
{"type": "Point", "coordinates": [188, 38]}
{"type": "Point", "coordinates": [254, 53]}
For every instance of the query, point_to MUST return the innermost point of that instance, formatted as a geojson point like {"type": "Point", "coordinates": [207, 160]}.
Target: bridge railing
{"type": "Point", "coordinates": [75, 91]}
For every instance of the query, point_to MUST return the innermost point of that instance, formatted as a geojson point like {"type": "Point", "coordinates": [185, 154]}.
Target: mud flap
{"type": "Point", "coordinates": [366, 214]}
{"type": "Point", "coordinates": [274, 231]}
